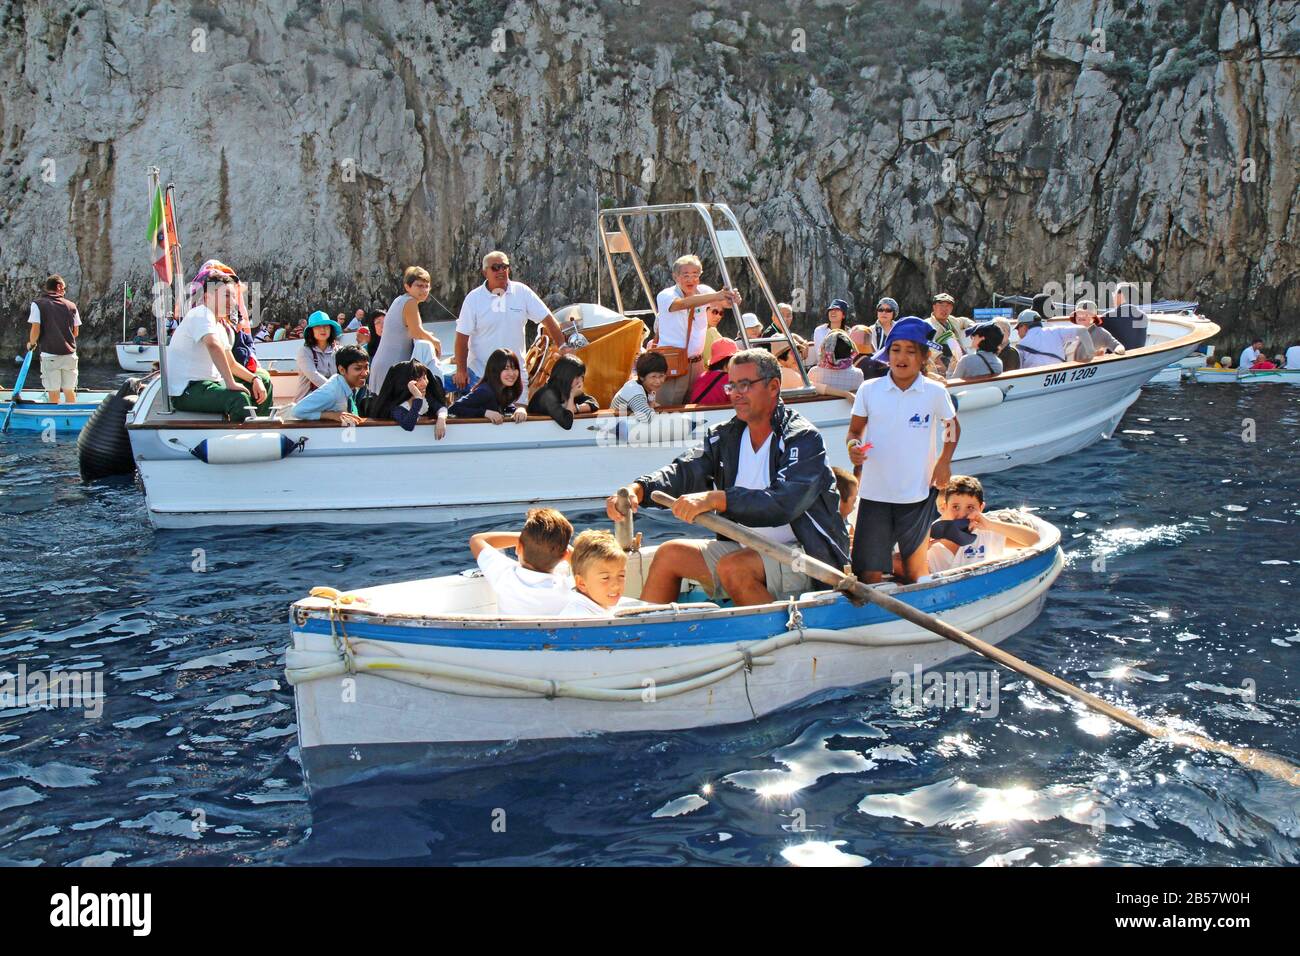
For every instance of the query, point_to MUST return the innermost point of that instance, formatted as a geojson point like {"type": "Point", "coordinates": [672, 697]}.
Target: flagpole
{"type": "Point", "coordinates": [160, 319]}
{"type": "Point", "coordinates": [174, 246]}
{"type": "Point", "coordinates": [123, 311]}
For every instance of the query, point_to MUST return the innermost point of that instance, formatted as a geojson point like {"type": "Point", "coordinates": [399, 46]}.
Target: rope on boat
{"type": "Point", "coordinates": [303, 666]}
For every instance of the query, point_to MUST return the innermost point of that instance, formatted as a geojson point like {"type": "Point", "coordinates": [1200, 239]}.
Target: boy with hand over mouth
{"type": "Point", "coordinates": [965, 535]}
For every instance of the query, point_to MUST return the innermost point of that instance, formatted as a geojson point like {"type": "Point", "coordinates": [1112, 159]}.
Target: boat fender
{"type": "Point", "coordinates": [104, 447]}
{"type": "Point", "coordinates": [246, 447]}
{"type": "Point", "coordinates": [978, 396]}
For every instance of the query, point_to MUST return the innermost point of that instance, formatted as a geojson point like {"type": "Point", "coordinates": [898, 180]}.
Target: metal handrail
{"type": "Point", "coordinates": [706, 212]}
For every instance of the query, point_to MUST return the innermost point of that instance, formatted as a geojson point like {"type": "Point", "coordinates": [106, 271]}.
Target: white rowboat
{"type": "Point", "coordinates": [428, 669]}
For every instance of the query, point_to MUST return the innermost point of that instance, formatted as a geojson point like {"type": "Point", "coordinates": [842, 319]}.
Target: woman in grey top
{"type": "Point", "coordinates": [986, 341]}
{"type": "Point", "coordinates": [402, 327]}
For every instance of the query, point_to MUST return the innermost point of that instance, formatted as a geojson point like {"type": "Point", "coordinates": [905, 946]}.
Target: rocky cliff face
{"type": "Point", "coordinates": [886, 148]}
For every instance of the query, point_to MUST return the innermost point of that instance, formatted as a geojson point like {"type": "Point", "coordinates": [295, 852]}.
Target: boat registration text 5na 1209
{"type": "Point", "coordinates": [1070, 375]}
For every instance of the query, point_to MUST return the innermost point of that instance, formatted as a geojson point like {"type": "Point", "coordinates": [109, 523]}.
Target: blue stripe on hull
{"type": "Point", "coordinates": [726, 630]}
{"type": "Point", "coordinates": [32, 420]}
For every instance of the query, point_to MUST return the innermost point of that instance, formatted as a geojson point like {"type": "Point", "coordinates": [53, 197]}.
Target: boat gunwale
{"type": "Point", "coordinates": [322, 609]}
{"type": "Point", "coordinates": [1198, 330]}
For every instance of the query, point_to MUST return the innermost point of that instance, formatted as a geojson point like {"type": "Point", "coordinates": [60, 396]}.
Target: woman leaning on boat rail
{"type": "Point", "coordinates": [402, 325]}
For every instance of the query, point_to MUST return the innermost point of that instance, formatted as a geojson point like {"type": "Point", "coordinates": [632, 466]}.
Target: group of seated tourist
{"type": "Point", "coordinates": [1254, 357]}
{"type": "Point", "coordinates": [407, 383]}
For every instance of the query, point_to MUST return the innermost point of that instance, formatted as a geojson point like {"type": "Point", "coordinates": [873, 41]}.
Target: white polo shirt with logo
{"type": "Point", "coordinates": [671, 326]}
{"type": "Point", "coordinates": [987, 546]}
{"type": "Point", "coordinates": [499, 321]}
{"type": "Point", "coordinates": [904, 429]}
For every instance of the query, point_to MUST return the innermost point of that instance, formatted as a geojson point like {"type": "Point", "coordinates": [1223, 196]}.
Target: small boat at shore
{"type": "Point", "coordinates": [1275, 376]}
{"type": "Point", "coordinates": [426, 670]}
{"type": "Point", "coordinates": [32, 413]}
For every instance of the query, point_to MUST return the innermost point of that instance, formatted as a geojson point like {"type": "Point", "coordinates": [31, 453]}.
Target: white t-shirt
{"type": "Point", "coordinates": [1248, 357]}
{"type": "Point", "coordinates": [498, 321]}
{"type": "Point", "coordinates": [353, 325]}
{"type": "Point", "coordinates": [187, 357]}
{"type": "Point", "coordinates": [755, 471]}
{"type": "Point", "coordinates": [521, 590]}
{"type": "Point", "coordinates": [1293, 357]}
{"type": "Point", "coordinates": [1050, 341]}
{"type": "Point", "coordinates": [903, 429]}
{"type": "Point", "coordinates": [671, 326]}
{"type": "Point", "coordinates": [987, 546]}
{"type": "Point", "coordinates": [579, 605]}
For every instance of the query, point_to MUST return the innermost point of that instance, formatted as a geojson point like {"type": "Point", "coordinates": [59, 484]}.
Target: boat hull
{"type": "Point", "coordinates": [35, 415]}
{"type": "Point", "coordinates": [349, 728]}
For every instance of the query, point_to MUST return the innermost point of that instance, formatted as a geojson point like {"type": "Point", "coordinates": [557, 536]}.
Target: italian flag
{"type": "Point", "coordinates": [160, 236]}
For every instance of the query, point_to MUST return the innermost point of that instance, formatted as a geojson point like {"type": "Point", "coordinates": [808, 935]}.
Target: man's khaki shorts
{"type": "Point", "coordinates": [782, 580]}
{"type": "Point", "coordinates": [58, 371]}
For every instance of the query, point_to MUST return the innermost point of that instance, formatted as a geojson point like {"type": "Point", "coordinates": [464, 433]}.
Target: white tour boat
{"type": "Point", "coordinates": [391, 475]}
{"type": "Point", "coordinates": [422, 671]}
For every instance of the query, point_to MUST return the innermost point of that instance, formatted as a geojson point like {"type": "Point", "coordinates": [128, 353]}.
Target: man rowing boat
{"type": "Point", "coordinates": [766, 469]}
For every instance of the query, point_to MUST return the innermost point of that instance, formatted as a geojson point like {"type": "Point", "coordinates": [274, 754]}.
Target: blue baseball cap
{"type": "Point", "coordinates": [907, 329]}
{"type": "Point", "coordinates": [839, 304]}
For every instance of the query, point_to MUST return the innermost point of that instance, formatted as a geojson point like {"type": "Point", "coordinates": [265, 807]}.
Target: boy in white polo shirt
{"type": "Point", "coordinates": [892, 435]}
{"type": "Point", "coordinates": [532, 585]}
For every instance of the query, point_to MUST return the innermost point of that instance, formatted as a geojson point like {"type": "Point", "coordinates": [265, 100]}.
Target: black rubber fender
{"type": "Point", "coordinates": [103, 447]}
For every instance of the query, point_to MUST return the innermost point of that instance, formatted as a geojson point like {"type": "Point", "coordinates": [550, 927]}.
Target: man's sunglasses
{"type": "Point", "coordinates": [885, 309]}
{"type": "Point", "coordinates": [499, 266]}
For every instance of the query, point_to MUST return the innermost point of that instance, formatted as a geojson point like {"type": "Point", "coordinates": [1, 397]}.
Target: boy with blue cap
{"type": "Point", "coordinates": [892, 435]}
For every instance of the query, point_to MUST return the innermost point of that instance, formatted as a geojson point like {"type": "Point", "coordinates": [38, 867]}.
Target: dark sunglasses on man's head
{"type": "Point", "coordinates": [499, 266]}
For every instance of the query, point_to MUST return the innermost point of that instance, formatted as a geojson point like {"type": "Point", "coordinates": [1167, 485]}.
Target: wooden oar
{"type": "Point", "coordinates": [1253, 759]}
{"type": "Point", "coordinates": [18, 387]}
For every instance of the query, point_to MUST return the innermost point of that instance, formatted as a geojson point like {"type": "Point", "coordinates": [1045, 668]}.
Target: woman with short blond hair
{"type": "Point", "coordinates": [402, 326]}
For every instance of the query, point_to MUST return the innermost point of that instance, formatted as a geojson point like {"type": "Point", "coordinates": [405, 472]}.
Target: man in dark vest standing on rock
{"type": "Point", "coordinates": [54, 323]}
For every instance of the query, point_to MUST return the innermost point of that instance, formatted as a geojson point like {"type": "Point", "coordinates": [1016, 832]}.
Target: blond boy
{"type": "Point", "coordinates": [599, 576]}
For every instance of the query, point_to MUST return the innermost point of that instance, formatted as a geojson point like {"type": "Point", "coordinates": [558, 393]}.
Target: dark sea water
{"type": "Point", "coordinates": [1179, 601]}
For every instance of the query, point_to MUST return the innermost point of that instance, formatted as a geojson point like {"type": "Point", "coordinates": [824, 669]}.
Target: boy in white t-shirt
{"type": "Point", "coordinates": [599, 577]}
{"type": "Point", "coordinates": [982, 538]}
{"type": "Point", "coordinates": [537, 585]}
{"type": "Point", "coordinates": [896, 425]}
